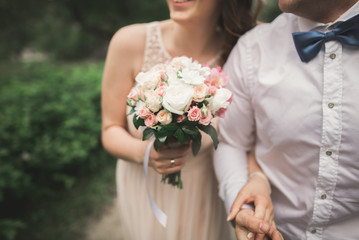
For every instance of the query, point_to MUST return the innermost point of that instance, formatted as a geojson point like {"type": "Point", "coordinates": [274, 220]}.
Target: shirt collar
{"type": "Point", "coordinates": [307, 24]}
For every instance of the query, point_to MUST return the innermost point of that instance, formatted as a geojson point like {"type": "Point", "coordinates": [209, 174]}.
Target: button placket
{"type": "Point", "coordinates": [332, 90]}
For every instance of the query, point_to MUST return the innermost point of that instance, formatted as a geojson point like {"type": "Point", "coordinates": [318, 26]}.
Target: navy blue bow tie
{"type": "Point", "coordinates": [308, 44]}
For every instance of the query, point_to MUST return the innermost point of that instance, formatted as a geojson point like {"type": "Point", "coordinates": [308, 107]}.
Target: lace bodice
{"type": "Point", "coordinates": [155, 51]}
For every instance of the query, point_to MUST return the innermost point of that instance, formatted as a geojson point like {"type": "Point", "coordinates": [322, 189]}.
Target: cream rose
{"type": "Point", "coordinates": [164, 117]}
{"type": "Point", "coordinates": [177, 98]}
{"type": "Point", "coordinates": [148, 80]}
{"type": "Point", "coordinates": [200, 93]}
{"type": "Point", "coordinates": [153, 101]}
{"type": "Point", "coordinates": [220, 100]}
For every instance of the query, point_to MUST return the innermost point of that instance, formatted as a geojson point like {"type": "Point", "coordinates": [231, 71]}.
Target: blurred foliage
{"type": "Point", "coordinates": [68, 29]}
{"type": "Point", "coordinates": [49, 136]}
{"type": "Point", "coordinates": [269, 11]}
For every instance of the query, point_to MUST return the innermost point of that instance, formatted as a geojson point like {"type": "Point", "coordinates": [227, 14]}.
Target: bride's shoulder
{"type": "Point", "coordinates": [129, 39]}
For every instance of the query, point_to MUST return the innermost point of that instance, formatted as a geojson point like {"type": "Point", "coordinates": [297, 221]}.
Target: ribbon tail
{"type": "Point", "coordinates": [159, 214]}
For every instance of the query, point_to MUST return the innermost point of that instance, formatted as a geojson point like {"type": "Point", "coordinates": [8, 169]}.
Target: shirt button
{"type": "Point", "coordinates": [330, 105]}
{"type": "Point", "coordinates": [333, 56]}
{"type": "Point", "coordinates": [329, 153]}
{"type": "Point", "coordinates": [323, 196]}
{"type": "Point", "coordinates": [313, 230]}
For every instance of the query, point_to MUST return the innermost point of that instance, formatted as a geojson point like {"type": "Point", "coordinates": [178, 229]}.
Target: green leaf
{"type": "Point", "coordinates": [196, 143]}
{"type": "Point", "coordinates": [190, 130]}
{"type": "Point", "coordinates": [137, 122]}
{"type": "Point", "coordinates": [162, 139]}
{"type": "Point", "coordinates": [211, 131]}
{"type": "Point", "coordinates": [147, 133]}
{"type": "Point", "coordinates": [171, 127]}
{"type": "Point", "coordinates": [155, 144]}
{"type": "Point", "coordinates": [163, 132]}
{"type": "Point", "coordinates": [180, 135]}
{"type": "Point", "coordinates": [132, 111]}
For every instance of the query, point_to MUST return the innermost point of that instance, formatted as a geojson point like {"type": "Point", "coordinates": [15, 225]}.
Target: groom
{"type": "Point", "coordinates": [297, 99]}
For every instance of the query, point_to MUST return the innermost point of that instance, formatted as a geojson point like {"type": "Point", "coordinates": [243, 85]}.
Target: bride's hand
{"type": "Point", "coordinates": [256, 191]}
{"type": "Point", "coordinates": [169, 158]}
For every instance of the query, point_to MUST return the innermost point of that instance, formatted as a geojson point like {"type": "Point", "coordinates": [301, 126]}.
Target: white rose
{"type": "Point", "coordinates": [148, 80]}
{"type": "Point", "coordinates": [153, 101]}
{"type": "Point", "coordinates": [138, 107]}
{"type": "Point", "coordinates": [172, 76]}
{"type": "Point", "coordinates": [205, 71]}
{"type": "Point", "coordinates": [220, 100]}
{"type": "Point", "coordinates": [177, 98]}
{"type": "Point", "coordinates": [164, 117]}
{"type": "Point", "coordinates": [181, 62]}
{"type": "Point", "coordinates": [192, 77]}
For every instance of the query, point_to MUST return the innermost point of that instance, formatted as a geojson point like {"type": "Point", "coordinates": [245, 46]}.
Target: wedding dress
{"type": "Point", "coordinates": [194, 212]}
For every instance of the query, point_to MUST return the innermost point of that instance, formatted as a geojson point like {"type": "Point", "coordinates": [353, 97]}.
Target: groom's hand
{"type": "Point", "coordinates": [247, 226]}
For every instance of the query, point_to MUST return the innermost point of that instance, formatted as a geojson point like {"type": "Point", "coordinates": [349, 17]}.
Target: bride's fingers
{"type": "Point", "coordinates": [237, 205]}
{"type": "Point", "coordinates": [168, 166]}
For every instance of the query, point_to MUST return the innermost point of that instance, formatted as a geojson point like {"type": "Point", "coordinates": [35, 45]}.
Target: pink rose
{"type": "Point", "coordinates": [161, 84]}
{"type": "Point", "coordinates": [151, 120]}
{"type": "Point", "coordinates": [194, 114]}
{"type": "Point", "coordinates": [180, 118]}
{"type": "Point", "coordinates": [206, 120]}
{"type": "Point", "coordinates": [212, 90]}
{"type": "Point", "coordinates": [221, 112]}
{"type": "Point", "coordinates": [144, 113]}
{"type": "Point", "coordinates": [134, 94]}
{"type": "Point", "coordinates": [161, 91]}
{"type": "Point", "coordinates": [217, 78]}
{"type": "Point", "coordinates": [206, 117]}
{"type": "Point", "coordinates": [164, 76]}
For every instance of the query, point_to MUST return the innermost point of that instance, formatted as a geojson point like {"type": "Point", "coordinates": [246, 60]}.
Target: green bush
{"type": "Point", "coordinates": [50, 126]}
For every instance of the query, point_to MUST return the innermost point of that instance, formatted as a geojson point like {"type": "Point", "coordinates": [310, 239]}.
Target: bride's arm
{"type": "Point", "coordinates": [257, 193]}
{"type": "Point", "coordinates": [123, 62]}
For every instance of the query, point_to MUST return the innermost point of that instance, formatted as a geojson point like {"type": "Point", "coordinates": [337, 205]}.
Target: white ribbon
{"type": "Point", "coordinates": [161, 216]}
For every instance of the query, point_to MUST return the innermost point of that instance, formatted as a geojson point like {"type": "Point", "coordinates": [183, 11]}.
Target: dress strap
{"type": "Point", "coordinates": [155, 52]}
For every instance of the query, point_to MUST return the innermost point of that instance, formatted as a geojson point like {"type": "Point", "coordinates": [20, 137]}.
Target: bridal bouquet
{"type": "Point", "coordinates": [174, 101]}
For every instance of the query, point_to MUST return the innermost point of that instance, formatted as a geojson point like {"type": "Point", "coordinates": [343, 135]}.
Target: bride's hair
{"type": "Point", "coordinates": [237, 17]}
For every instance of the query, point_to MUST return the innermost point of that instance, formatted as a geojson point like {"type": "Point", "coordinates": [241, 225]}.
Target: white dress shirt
{"type": "Point", "coordinates": [305, 119]}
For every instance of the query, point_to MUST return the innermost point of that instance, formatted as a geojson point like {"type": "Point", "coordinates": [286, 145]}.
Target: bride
{"type": "Point", "coordinates": [206, 31]}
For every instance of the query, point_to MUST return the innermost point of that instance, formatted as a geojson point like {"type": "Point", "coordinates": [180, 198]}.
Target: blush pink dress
{"type": "Point", "coordinates": [195, 212]}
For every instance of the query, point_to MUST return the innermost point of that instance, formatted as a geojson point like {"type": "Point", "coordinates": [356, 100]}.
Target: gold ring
{"type": "Point", "coordinates": [172, 161]}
